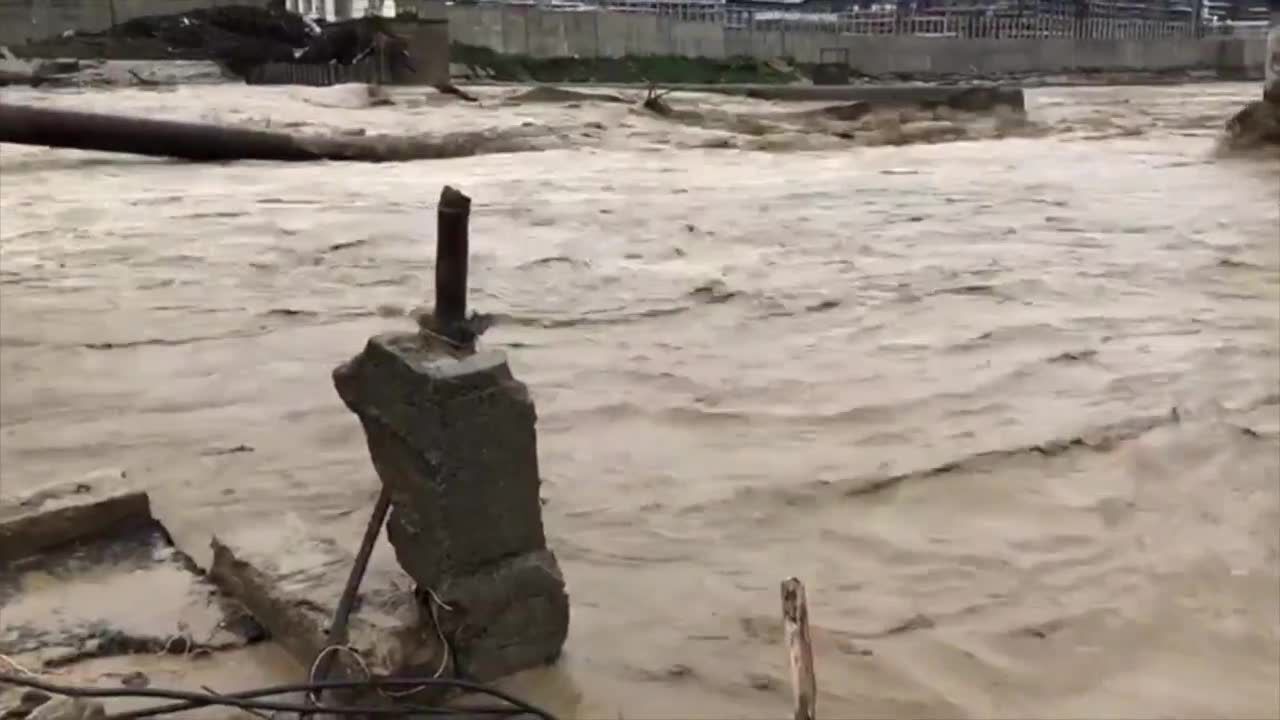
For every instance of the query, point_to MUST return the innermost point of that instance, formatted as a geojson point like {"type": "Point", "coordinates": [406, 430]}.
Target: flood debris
{"type": "Point", "coordinates": [865, 122]}
{"type": "Point", "coordinates": [553, 94]}
{"type": "Point", "coordinates": [239, 37]}
{"type": "Point", "coordinates": [1256, 125]}
{"type": "Point", "coordinates": [847, 112]}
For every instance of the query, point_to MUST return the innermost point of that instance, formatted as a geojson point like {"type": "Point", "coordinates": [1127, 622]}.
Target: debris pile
{"type": "Point", "coordinates": [1256, 125]}
{"type": "Point", "coordinates": [237, 37]}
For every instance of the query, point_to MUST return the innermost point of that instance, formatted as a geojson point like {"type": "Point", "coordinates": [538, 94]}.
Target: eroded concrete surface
{"type": "Point", "coordinates": [1009, 406]}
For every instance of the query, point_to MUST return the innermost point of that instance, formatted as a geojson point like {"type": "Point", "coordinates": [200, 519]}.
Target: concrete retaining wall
{"type": "Point", "coordinates": [546, 34]}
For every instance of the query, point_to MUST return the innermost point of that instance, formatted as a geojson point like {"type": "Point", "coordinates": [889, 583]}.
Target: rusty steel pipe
{"type": "Point", "coordinates": [453, 216]}
{"type": "Point", "coordinates": [49, 127]}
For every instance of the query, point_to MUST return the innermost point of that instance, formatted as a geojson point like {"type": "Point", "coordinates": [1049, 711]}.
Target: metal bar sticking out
{"type": "Point", "coordinates": [342, 615]}
{"type": "Point", "coordinates": [452, 227]}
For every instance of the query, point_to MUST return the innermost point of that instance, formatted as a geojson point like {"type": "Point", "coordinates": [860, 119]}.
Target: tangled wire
{"type": "Point", "coordinates": [252, 700]}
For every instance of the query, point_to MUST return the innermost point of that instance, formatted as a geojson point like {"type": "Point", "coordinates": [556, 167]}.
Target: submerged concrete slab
{"type": "Point", "coordinates": [90, 575]}
{"type": "Point", "coordinates": [65, 513]}
{"type": "Point", "coordinates": [290, 576]}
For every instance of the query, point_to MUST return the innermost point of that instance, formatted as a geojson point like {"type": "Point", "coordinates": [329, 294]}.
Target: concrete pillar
{"type": "Point", "coordinates": [451, 435]}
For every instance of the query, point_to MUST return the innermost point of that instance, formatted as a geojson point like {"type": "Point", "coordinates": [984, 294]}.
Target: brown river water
{"type": "Point", "coordinates": [1010, 406]}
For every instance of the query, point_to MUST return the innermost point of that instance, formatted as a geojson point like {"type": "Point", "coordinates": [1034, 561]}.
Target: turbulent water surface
{"type": "Point", "coordinates": [1009, 405]}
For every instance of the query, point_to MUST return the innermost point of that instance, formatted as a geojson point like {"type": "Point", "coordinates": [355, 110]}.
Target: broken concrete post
{"type": "Point", "coordinates": [451, 435]}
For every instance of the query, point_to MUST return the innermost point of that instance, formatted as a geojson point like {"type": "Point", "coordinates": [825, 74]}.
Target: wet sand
{"type": "Point", "coordinates": [1010, 405]}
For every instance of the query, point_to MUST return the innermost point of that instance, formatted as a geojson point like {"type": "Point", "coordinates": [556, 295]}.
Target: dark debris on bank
{"type": "Point", "coordinates": [237, 37]}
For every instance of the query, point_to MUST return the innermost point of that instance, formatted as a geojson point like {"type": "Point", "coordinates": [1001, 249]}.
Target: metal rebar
{"type": "Point", "coordinates": [452, 246]}
{"type": "Point", "coordinates": [342, 615]}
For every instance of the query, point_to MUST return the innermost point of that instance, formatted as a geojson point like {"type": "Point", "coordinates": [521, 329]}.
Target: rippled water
{"type": "Point", "coordinates": [1011, 407]}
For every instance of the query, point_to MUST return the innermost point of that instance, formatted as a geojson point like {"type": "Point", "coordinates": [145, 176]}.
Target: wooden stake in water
{"type": "Point", "coordinates": [795, 622]}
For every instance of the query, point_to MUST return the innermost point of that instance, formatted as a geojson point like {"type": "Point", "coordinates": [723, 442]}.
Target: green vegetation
{"type": "Point", "coordinates": [654, 69]}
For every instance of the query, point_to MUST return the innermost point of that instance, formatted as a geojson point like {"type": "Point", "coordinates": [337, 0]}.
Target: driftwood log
{"type": "Point", "coordinates": [27, 125]}
{"type": "Point", "coordinates": [795, 623]}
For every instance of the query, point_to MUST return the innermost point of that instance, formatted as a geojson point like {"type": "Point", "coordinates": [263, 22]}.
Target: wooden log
{"type": "Point", "coordinates": [49, 127]}
{"type": "Point", "coordinates": [795, 621]}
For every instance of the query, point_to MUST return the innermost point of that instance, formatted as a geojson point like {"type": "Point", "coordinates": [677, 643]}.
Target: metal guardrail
{"type": "Point", "coordinates": [1094, 19]}
{"type": "Point", "coordinates": [952, 24]}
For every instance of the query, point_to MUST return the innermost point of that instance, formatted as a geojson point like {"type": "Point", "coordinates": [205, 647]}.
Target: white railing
{"type": "Point", "coordinates": [1006, 25]}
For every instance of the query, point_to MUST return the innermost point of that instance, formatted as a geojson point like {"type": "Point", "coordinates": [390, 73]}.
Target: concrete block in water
{"type": "Point", "coordinates": [452, 438]}
{"type": "Point", "coordinates": [290, 575]}
{"type": "Point", "coordinates": [85, 573]}
{"type": "Point", "coordinates": [60, 516]}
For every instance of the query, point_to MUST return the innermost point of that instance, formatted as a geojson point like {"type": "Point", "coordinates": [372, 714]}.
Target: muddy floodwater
{"type": "Point", "coordinates": [1009, 405]}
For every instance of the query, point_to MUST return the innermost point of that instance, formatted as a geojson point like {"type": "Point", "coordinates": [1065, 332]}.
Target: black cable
{"type": "Point", "coordinates": [516, 704]}
{"type": "Point", "coordinates": [517, 707]}
{"type": "Point", "coordinates": [247, 699]}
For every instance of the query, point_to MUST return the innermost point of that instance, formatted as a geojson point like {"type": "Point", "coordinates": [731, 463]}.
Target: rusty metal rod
{"type": "Point", "coordinates": [142, 136]}
{"type": "Point", "coordinates": [452, 246]}
{"type": "Point", "coordinates": [342, 615]}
